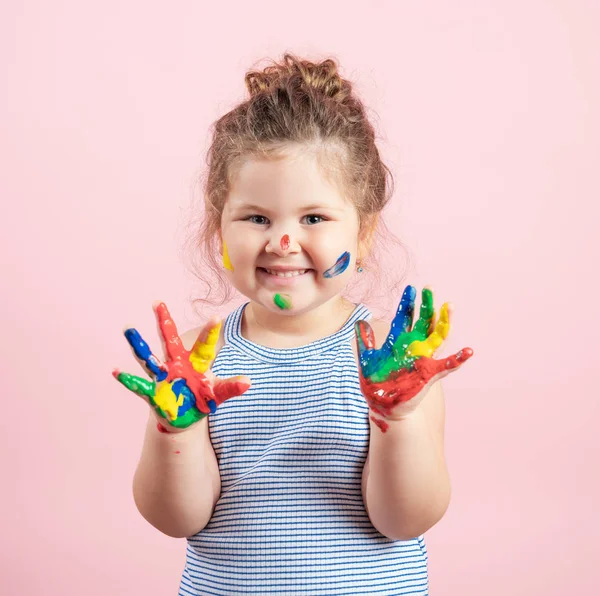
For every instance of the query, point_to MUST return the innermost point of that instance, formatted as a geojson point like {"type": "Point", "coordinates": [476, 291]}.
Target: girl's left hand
{"type": "Point", "coordinates": [395, 378]}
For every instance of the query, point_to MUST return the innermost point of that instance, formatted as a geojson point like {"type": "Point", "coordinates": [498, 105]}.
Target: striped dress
{"type": "Point", "coordinates": [290, 519]}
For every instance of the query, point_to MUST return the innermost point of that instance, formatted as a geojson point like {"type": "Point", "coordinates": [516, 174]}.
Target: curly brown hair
{"type": "Point", "coordinates": [293, 102]}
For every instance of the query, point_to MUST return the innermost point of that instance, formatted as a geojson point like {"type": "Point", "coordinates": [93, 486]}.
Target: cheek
{"type": "Point", "coordinates": [242, 259]}
{"type": "Point", "coordinates": [241, 245]}
{"type": "Point", "coordinates": [328, 247]}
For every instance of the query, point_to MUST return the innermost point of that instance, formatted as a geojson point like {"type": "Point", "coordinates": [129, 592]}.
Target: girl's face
{"type": "Point", "coordinates": [283, 216]}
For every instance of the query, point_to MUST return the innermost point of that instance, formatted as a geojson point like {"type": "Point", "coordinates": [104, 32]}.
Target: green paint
{"type": "Point", "coordinates": [283, 301]}
{"type": "Point", "coordinates": [145, 388]}
{"type": "Point", "coordinates": [399, 359]}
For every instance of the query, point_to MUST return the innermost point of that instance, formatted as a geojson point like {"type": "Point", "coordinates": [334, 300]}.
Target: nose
{"type": "Point", "coordinates": [282, 244]}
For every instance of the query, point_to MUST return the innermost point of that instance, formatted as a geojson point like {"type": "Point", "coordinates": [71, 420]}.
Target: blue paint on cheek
{"type": "Point", "coordinates": [340, 266]}
{"type": "Point", "coordinates": [143, 352]}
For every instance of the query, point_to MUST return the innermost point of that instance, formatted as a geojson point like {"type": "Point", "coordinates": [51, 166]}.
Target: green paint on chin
{"type": "Point", "coordinates": [283, 301]}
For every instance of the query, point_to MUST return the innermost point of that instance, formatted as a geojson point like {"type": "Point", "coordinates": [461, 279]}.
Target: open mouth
{"type": "Point", "coordinates": [283, 278]}
{"type": "Point", "coordinates": [285, 274]}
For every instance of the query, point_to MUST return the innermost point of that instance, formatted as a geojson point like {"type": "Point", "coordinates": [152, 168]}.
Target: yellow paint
{"type": "Point", "coordinates": [167, 401]}
{"type": "Point", "coordinates": [203, 353]}
{"type": "Point", "coordinates": [226, 262]}
{"type": "Point", "coordinates": [428, 346]}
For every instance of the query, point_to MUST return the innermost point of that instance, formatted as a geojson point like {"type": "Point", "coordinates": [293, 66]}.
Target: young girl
{"type": "Point", "coordinates": [301, 461]}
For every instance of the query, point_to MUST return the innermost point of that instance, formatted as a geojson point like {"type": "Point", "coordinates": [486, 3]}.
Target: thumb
{"type": "Point", "coordinates": [231, 387]}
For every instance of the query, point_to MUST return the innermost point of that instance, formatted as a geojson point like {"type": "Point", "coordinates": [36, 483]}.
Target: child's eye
{"type": "Point", "coordinates": [261, 220]}
{"type": "Point", "coordinates": [312, 219]}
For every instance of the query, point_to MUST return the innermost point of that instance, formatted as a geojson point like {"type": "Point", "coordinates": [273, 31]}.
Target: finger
{"type": "Point", "coordinates": [427, 312]}
{"type": "Point", "coordinates": [428, 346]}
{"type": "Point", "coordinates": [203, 351]}
{"type": "Point", "coordinates": [231, 387]}
{"type": "Point", "coordinates": [428, 367]}
{"type": "Point", "coordinates": [404, 317]}
{"type": "Point", "coordinates": [168, 331]}
{"type": "Point", "coordinates": [156, 369]}
{"type": "Point", "coordinates": [365, 338]}
{"type": "Point", "coordinates": [142, 387]}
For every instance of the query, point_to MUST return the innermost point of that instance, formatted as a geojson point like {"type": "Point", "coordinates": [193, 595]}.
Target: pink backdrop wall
{"type": "Point", "coordinates": [488, 114]}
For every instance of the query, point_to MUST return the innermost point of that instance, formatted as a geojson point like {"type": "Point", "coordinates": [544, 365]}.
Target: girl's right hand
{"type": "Point", "coordinates": [183, 390]}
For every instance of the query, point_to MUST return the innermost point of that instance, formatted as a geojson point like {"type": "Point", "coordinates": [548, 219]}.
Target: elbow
{"type": "Point", "coordinates": [408, 526]}
{"type": "Point", "coordinates": [174, 525]}
{"type": "Point", "coordinates": [406, 531]}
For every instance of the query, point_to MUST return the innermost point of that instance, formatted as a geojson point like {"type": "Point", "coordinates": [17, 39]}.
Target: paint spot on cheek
{"type": "Point", "coordinates": [339, 267]}
{"type": "Point", "coordinates": [283, 301]}
{"type": "Point", "coordinates": [285, 242]}
{"type": "Point", "coordinates": [226, 262]}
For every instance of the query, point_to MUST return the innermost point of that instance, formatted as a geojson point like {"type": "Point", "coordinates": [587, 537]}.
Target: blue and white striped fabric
{"type": "Point", "coordinates": [291, 519]}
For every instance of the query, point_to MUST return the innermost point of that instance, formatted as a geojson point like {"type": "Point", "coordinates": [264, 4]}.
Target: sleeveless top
{"type": "Point", "coordinates": [290, 519]}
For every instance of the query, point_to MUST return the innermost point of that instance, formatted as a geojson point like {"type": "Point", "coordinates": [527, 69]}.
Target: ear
{"type": "Point", "coordinates": [366, 235]}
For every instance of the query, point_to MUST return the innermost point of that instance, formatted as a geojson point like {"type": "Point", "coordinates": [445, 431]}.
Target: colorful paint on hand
{"type": "Point", "coordinates": [179, 391]}
{"type": "Point", "coordinates": [339, 267]}
{"type": "Point", "coordinates": [226, 261]}
{"type": "Point", "coordinates": [285, 242]}
{"type": "Point", "coordinates": [394, 377]}
{"type": "Point", "coordinates": [283, 301]}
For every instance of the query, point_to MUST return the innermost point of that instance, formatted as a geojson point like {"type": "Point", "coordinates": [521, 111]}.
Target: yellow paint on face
{"type": "Point", "coordinates": [428, 346]}
{"type": "Point", "coordinates": [203, 352]}
{"type": "Point", "coordinates": [226, 262]}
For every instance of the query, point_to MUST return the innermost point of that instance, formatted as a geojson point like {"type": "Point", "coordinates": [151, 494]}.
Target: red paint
{"type": "Point", "coordinates": [161, 428]}
{"type": "Point", "coordinates": [382, 424]}
{"type": "Point", "coordinates": [226, 388]}
{"type": "Point", "coordinates": [178, 452]}
{"type": "Point", "coordinates": [179, 367]}
{"type": "Point", "coordinates": [403, 385]}
{"type": "Point", "coordinates": [285, 242]}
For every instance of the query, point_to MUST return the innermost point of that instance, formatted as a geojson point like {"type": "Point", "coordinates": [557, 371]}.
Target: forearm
{"type": "Point", "coordinates": [176, 482]}
{"type": "Point", "coordinates": [406, 484]}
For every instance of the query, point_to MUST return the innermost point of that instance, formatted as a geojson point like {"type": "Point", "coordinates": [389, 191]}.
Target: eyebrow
{"type": "Point", "coordinates": [262, 209]}
{"type": "Point", "coordinates": [248, 206]}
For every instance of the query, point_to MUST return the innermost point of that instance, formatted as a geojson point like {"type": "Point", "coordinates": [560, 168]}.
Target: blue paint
{"type": "Point", "coordinates": [143, 352]}
{"type": "Point", "coordinates": [374, 359]}
{"type": "Point", "coordinates": [340, 266]}
{"type": "Point", "coordinates": [180, 387]}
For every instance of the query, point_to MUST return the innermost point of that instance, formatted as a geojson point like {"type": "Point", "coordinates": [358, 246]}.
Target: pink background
{"type": "Point", "coordinates": [488, 117]}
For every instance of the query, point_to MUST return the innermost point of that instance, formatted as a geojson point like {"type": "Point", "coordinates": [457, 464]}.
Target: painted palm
{"type": "Point", "coordinates": [398, 372]}
{"type": "Point", "coordinates": [181, 390]}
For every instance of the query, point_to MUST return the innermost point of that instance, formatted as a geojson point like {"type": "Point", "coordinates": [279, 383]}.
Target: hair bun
{"type": "Point", "coordinates": [322, 77]}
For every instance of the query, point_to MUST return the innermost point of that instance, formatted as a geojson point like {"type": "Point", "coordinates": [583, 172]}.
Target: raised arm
{"type": "Point", "coordinates": [177, 484]}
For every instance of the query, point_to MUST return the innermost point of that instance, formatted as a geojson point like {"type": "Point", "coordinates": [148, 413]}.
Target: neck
{"type": "Point", "coordinates": [289, 331]}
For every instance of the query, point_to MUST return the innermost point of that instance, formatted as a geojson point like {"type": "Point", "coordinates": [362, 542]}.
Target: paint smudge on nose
{"type": "Point", "coordinates": [226, 262]}
{"type": "Point", "coordinates": [285, 242]}
{"type": "Point", "coordinates": [283, 301]}
{"type": "Point", "coordinates": [340, 266]}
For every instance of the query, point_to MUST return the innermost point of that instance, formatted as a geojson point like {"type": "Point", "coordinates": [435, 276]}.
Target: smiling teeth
{"type": "Point", "coordinates": [287, 273]}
